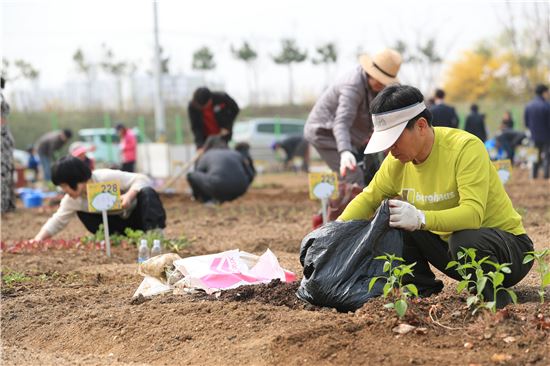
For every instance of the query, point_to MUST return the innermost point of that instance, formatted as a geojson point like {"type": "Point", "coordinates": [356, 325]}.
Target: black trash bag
{"type": "Point", "coordinates": [338, 261]}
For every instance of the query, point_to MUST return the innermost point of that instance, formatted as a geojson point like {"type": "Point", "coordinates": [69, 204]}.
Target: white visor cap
{"type": "Point", "coordinates": [388, 126]}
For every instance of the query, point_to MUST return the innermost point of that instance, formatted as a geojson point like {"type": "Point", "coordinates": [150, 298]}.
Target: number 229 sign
{"type": "Point", "coordinates": [103, 196]}
{"type": "Point", "coordinates": [323, 185]}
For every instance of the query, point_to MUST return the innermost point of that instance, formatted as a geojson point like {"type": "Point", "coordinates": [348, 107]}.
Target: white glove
{"type": "Point", "coordinates": [405, 216]}
{"type": "Point", "coordinates": [347, 161]}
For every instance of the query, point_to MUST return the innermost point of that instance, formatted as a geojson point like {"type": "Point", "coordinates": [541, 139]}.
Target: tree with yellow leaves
{"type": "Point", "coordinates": [480, 74]}
{"type": "Point", "coordinates": [508, 66]}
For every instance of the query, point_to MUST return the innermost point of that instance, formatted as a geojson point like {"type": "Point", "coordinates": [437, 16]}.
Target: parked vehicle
{"type": "Point", "coordinates": [262, 133]}
{"type": "Point", "coordinates": [105, 152]}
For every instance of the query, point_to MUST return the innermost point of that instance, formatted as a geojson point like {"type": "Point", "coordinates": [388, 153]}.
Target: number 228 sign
{"type": "Point", "coordinates": [103, 196]}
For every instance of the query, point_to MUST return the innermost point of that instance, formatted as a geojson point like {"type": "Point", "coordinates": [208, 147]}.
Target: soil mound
{"type": "Point", "coordinates": [276, 293]}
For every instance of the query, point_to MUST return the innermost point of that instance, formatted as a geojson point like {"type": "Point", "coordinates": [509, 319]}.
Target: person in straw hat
{"type": "Point", "coordinates": [449, 194]}
{"type": "Point", "coordinates": [340, 125]}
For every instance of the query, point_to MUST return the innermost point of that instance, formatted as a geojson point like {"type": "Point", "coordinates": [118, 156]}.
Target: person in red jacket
{"type": "Point", "coordinates": [128, 148]}
{"type": "Point", "coordinates": [211, 113]}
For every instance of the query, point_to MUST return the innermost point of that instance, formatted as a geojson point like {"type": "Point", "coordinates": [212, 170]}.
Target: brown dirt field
{"type": "Point", "coordinates": [75, 307]}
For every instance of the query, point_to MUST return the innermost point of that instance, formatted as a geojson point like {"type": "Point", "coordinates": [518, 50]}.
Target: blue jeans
{"type": "Point", "coordinates": [46, 163]}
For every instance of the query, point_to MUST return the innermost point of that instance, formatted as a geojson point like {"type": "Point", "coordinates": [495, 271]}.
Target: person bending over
{"type": "Point", "coordinates": [211, 114]}
{"type": "Point", "coordinates": [221, 174]}
{"type": "Point", "coordinates": [294, 146]}
{"type": "Point", "coordinates": [141, 205]}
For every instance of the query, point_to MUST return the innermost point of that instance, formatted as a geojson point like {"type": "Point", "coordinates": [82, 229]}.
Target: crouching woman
{"type": "Point", "coordinates": [141, 205]}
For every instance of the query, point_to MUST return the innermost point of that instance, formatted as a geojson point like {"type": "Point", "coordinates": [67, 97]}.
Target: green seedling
{"type": "Point", "coordinates": [173, 245]}
{"type": "Point", "coordinates": [13, 278]}
{"type": "Point", "coordinates": [476, 286]}
{"type": "Point", "coordinates": [99, 236]}
{"type": "Point", "coordinates": [152, 235]}
{"type": "Point", "coordinates": [134, 236]}
{"type": "Point", "coordinates": [543, 268]}
{"type": "Point", "coordinates": [394, 283]}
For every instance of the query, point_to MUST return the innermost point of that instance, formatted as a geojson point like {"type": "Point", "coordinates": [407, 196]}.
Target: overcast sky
{"type": "Point", "coordinates": [46, 33]}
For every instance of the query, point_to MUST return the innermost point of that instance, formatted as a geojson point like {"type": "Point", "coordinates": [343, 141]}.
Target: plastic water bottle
{"type": "Point", "coordinates": [157, 250]}
{"type": "Point", "coordinates": [143, 252]}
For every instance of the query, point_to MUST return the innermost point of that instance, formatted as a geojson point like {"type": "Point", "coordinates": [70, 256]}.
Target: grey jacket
{"type": "Point", "coordinates": [341, 119]}
{"type": "Point", "coordinates": [48, 143]}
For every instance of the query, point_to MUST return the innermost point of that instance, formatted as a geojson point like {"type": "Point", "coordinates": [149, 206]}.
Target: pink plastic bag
{"type": "Point", "coordinates": [229, 270]}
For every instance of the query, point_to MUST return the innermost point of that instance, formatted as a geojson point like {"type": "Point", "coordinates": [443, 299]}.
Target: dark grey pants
{"type": "Point", "coordinates": [129, 166]}
{"type": "Point", "coordinates": [424, 247]}
{"type": "Point", "coordinates": [543, 160]}
{"type": "Point", "coordinates": [207, 187]}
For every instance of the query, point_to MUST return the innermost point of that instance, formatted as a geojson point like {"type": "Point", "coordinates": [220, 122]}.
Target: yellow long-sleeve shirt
{"type": "Point", "coordinates": [457, 187]}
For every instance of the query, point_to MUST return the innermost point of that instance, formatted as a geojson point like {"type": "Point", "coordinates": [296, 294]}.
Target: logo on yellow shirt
{"type": "Point", "coordinates": [410, 195]}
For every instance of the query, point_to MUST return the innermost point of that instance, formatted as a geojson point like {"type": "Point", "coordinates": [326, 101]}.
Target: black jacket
{"type": "Point", "coordinates": [225, 112]}
{"type": "Point", "coordinates": [444, 116]}
{"type": "Point", "coordinates": [475, 124]}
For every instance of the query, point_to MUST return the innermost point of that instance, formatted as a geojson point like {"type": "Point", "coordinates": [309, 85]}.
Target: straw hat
{"type": "Point", "coordinates": [383, 66]}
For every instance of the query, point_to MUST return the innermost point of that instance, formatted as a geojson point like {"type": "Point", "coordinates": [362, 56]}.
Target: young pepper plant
{"type": "Point", "coordinates": [394, 283]}
{"type": "Point", "coordinates": [496, 277]}
{"type": "Point", "coordinates": [476, 286]}
{"type": "Point", "coordinates": [469, 264]}
{"type": "Point", "coordinates": [543, 268]}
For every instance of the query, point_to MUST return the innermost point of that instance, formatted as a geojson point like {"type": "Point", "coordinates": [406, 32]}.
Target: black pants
{"type": "Point", "coordinates": [147, 215]}
{"type": "Point", "coordinates": [542, 161]}
{"type": "Point", "coordinates": [129, 166]}
{"type": "Point", "coordinates": [424, 247]}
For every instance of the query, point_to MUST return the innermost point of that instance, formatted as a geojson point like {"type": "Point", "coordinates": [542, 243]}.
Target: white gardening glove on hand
{"type": "Point", "coordinates": [347, 161]}
{"type": "Point", "coordinates": [405, 216]}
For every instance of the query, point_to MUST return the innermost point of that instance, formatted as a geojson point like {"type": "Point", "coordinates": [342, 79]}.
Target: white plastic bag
{"type": "Point", "coordinates": [151, 286]}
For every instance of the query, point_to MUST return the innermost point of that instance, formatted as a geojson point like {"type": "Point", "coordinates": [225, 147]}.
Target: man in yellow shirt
{"type": "Point", "coordinates": [450, 195]}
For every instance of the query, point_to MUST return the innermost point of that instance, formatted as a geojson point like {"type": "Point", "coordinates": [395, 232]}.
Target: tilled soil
{"type": "Point", "coordinates": [75, 307]}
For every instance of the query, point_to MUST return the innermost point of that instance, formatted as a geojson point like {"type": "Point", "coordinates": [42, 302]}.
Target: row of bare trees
{"type": "Point", "coordinates": [203, 61]}
{"type": "Point", "coordinates": [289, 55]}
{"type": "Point", "coordinates": [24, 70]}
{"type": "Point", "coordinates": [118, 68]}
{"type": "Point", "coordinates": [20, 70]}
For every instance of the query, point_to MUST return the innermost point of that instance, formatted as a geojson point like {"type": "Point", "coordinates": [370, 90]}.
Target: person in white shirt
{"type": "Point", "coordinates": [141, 205]}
